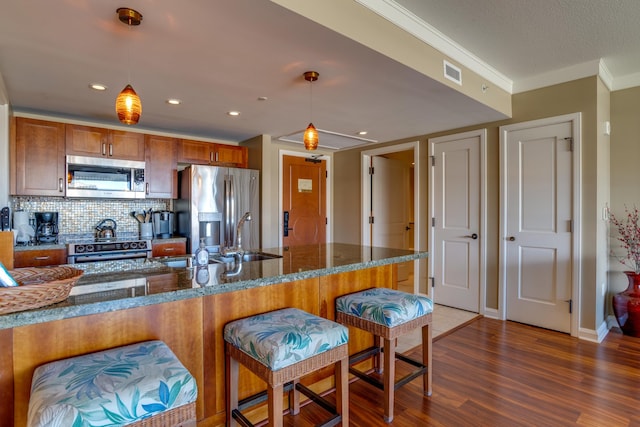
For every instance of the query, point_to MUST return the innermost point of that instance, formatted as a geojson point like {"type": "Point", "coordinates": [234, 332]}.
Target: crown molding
{"type": "Point", "coordinates": [405, 19]}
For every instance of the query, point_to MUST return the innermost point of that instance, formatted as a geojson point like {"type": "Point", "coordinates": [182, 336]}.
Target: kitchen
{"type": "Point", "coordinates": [127, 296]}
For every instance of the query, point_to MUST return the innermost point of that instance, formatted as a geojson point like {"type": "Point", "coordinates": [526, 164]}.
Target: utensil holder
{"type": "Point", "coordinates": [146, 230]}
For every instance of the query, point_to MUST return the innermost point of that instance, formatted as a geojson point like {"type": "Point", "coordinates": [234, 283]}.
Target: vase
{"type": "Point", "coordinates": [626, 306]}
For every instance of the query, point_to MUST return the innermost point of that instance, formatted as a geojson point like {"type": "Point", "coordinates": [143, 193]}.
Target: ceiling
{"type": "Point", "coordinates": [249, 56]}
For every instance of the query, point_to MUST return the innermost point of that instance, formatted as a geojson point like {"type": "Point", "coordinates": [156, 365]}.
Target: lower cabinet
{"type": "Point", "coordinates": [39, 257]}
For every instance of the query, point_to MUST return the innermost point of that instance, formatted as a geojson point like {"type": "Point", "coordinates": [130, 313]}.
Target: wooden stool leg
{"type": "Point", "coordinates": [341, 372]}
{"type": "Point", "coordinates": [377, 359]}
{"type": "Point", "coordinates": [389, 376]}
{"type": "Point", "coordinates": [294, 399]}
{"type": "Point", "coordinates": [275, 401]}
{"type": "Point", "coordinates": [427, 358]}
{"type": "Point", "coordinates": [231, 377]}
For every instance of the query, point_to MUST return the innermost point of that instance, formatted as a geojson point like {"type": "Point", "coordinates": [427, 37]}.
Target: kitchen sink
{"type": "Point", "coordinates": [246, 257]}
{"type": "Point", "coordinates": [181, 262]}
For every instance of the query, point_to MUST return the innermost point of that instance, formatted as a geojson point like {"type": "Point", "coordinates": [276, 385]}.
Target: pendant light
{"type": "Point", "coordinates": [128, 104]}
{"type": "Point", "coordinates": [311, 134]}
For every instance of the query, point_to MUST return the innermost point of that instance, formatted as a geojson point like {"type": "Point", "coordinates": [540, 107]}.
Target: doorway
{"type": "Point", "coordinates": [393, 229]}
{"type": "Point", "coordinates": [304, 196]}
{"type": "Point", "coordinates": [458, 227]}
{"type": "Point", "coordinates": [540, 222]}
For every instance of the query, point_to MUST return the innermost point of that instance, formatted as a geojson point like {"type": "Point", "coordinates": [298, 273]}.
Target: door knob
{"type": "Point", "coordinates": [474, 236]}
{"type": "Point", "coordinates": [512, 239]}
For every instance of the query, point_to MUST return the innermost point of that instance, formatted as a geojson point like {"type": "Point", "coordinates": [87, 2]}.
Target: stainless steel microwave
{"type": "Point", "coordinates": [97, 177]}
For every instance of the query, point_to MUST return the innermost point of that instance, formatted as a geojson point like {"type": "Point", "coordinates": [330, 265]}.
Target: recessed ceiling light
{"type": "Point", "coordinates": [362, 132]}
{"type": "Point", "coordinates": [174, 101]}
{"type": "Point", "coordinates": [262, 98]}
{"type": "Point", "coordinates": [234, 113]}
{"type": "Point", "coordinates": [97, 86]}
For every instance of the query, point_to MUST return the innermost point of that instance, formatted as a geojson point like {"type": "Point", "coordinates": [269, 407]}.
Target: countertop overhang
{"type": "Point", "coordinates": [118, 285]}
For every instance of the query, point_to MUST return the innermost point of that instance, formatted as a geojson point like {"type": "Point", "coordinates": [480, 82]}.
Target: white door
{"type": "Point", "coordinates": [538, 220]}
{"type": "Point", "coordinates": [456, 190]}
{"type": "Point", "coordinates": [389, 205]}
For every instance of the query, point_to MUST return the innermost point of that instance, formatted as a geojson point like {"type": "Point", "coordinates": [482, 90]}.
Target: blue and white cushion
{"type": "Point", "coordinates": [114, 387]}
{"type": "Point", "coordinates": [384, 306]}
{"type": "Point", "coordinates": [283, 337]}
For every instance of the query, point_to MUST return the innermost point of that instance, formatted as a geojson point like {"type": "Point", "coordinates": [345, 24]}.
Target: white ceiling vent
{"type": "Point", "coordinates": [452, 72]}
{"type": "Point", "coordinates": [328, 139]}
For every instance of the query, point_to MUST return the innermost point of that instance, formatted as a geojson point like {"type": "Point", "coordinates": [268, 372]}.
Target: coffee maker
{"type": "Point", "coordinates": [162, 224]}
{"type": "Point", "coordinates": [46, 227]}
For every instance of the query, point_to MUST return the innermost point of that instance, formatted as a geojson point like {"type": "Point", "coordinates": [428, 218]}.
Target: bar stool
{"type": "Point", "coordinates": [280, 347]}
{"type": "Point", "coordinates": [138, 385]}
{"type": "Point", "coordinates": [388, 314]}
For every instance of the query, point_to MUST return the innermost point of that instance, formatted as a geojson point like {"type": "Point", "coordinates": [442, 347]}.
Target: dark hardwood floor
{"type": "Point", "coordinates": [494, 373]}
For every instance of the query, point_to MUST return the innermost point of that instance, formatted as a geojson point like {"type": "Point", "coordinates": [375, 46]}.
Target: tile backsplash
{"type": "Point", "coordinates": [80, 216]}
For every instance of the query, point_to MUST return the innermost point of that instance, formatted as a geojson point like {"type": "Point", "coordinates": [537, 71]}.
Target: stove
{"type": "Point", "coordinates": [107, 250]}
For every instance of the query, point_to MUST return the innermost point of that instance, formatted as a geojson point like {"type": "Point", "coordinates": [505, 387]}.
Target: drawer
{"type": "Point", "coordinates": [169, 249]}
{"type": "Point", "coordinates": [39, 258]}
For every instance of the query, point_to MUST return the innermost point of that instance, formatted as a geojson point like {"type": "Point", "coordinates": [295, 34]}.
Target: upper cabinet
{"type": "Point", "coordinates": [207, 153]}
{"type": "Point", "coordinates": [37, 158]}
{"type": "Point", "coordinates": [98, 142]}
{"type": "Point", "coordinates": [161, 167]}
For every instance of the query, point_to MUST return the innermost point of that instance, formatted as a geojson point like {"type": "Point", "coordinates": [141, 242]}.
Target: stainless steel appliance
{"type": "Point", "coordinates": [46, 227]}
{"type": "Point", "coordinates": [100, 177]}
{"type": "Point", "coordinates": [212, 201]}
{"type": "Point", "coordinates": [162, 224]}
{"type": "Point", "coordinates": [107, 251]}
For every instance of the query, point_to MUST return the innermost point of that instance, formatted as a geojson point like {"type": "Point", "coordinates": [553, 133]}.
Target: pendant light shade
{"type": "Point", "coordinates": [310, 138]}
{"type": "Point", "coordinates": [128, 106]}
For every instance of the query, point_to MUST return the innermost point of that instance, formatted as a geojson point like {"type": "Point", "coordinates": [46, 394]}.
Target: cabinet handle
{"type": "Point", "coordinates": [217, 157]}
{"type": "Point", "coordinates": [41, 258]}
{"type": "Point", "coordinates": [104, 148]}
{"type": "Point", "coordinates": [169, 249]}
{"type": "Point", "coordinates": [146, 188]}
{"type": "Point", "coordinates": [110, 150]}
{"type": "Point", "coordinates": [211, 159]}
{"type": "Point", "coordinates": [60, 187]}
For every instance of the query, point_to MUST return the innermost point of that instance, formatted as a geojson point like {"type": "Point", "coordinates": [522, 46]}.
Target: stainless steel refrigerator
{"type": "Point", "coordinates": [211, 201]}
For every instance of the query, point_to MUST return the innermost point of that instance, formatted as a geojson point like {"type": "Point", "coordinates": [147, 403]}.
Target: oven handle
{"type": "Point", "coordinates": [77, 259]}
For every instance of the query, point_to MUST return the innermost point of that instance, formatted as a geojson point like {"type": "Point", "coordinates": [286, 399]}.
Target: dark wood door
{"type": "Point", "coordinates": [304, 201]}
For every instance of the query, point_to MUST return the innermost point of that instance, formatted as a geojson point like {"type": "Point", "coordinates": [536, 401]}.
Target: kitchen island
{"type": "Point", "coordinates": [187, 308]}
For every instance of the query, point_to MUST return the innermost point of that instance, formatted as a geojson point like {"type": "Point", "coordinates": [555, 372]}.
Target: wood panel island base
{"type": "Point", "coordinates": [177, 306]}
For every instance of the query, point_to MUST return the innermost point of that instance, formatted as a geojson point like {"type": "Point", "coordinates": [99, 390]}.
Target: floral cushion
{"type": "Point", "coordinates": [110, 388]}
{"type": "Point", "coordinates": [283, 337]}
{"type": "Point", "coordinates": [384, 306]}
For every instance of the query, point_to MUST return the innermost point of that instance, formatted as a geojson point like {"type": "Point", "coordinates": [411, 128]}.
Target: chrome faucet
{"type": "Point", "coordinates": [245, 217]}
{"type": "Point", "coordinates": [237, 248]}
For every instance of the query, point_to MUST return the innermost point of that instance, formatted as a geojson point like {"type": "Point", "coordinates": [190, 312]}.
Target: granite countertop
{"type": "Point", "coordinates": [115, 285]}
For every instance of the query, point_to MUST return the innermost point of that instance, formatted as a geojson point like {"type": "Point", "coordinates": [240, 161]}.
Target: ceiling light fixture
{"type": "Point", "coordinates": [128, 104]}
{"type": "Point", "coordinates": [174, 101]}
{"type": "Point", "coordinates": [97, 86]}
{"type": "Point", "coordinates": [233, 113]}
{"type": "Point", "coordinates": [311, 134]}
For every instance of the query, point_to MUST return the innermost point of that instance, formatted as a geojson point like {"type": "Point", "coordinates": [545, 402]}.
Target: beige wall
{"type": "Point", "coordinates": [625, 172]}
{"type": "Point", "coordinates": [571, 97]}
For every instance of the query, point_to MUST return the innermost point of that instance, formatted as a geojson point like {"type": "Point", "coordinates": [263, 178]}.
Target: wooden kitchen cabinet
{"type": "Point", "coordinates": [161, 167]}
{"type": "Point", "coordinates": [169, 249]}
{"type": "Point", "coordinates": [99, 142]}
{"type": "Point", "coordinates": [37, 161]}
{"type": "Point", "coordinates": [39, 257]}
{"type": "Point", "coordinates": [207, 153]}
